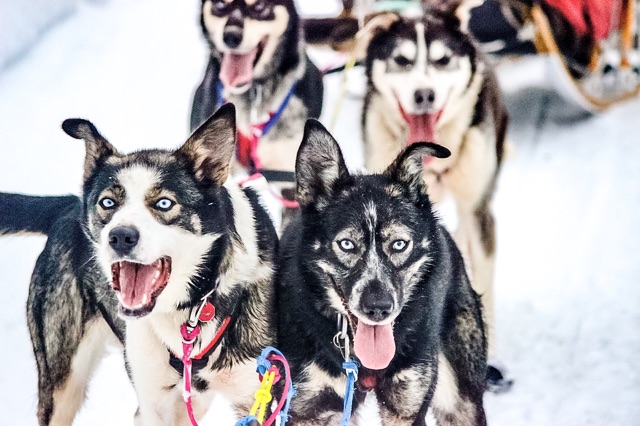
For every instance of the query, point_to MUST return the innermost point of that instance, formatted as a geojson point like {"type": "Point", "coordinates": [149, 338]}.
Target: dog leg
{"type": "Point", "coordinates": [62, 392]}
{"type": "Point", "coordinates": [404, 399]}
{"type": "Point", "coordinates": [472, 182]}
{"type": "Point", "coordinates": [450, 408]}
{"type": "Point", "coordinates": [158, 386]}
{"type": "Point", "coordinates": [476, 239]}
{"type": "Point", "coordinates": [68, 339]}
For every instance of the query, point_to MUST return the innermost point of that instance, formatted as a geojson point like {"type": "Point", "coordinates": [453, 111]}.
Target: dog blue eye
{"type": "Point", "coordinates": [164, 204]}
{"type": "Point", "coordinates": [107, 203]}
{"type": "Point", "coordinates": [219, 5]}
{"type": "Point", "coordinates": [399, 246]}
{"type": "Point", "coordinates": [347, 245]}
{"type": "Point", "coordinates": [258, 6]}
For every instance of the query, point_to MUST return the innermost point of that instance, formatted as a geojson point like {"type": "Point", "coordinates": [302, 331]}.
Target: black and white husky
{"type": "Point", "coordinates": [156, 236]}
{"type": "Point", "coordinates": [369, 249]}
{"type": "Point", "coordinates": [427, 81]}
{"type": "Point", "coordinates": [258, 62]}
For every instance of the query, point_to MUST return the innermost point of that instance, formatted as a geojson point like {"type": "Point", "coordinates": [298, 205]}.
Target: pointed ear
{"type": "Point", "coordinates": [377, 23]}
{"type": "Point", "coordinates": [407, 167]}
{"type": "Point", "coordinates": [96, 146]}
{"type": "Point", "coordinates": [211, 146]}
{"type": "Point", "coordinates": [319, 164]}
{"type": "Point", "coordinates": [459, 10]}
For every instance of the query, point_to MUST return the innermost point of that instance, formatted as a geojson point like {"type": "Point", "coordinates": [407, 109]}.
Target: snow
{"type": "Point", "coordinates": [567, 293]}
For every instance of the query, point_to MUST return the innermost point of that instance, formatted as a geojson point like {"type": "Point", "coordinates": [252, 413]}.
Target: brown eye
{"type": "Point", "coordinates": [444, 61]}
{"type": "Point", "coordinates": [402, 61]}
{"type": "Point", "coordinates": [259, 6]}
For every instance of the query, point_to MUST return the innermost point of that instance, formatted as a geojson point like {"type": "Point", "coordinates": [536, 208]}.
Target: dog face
{"type": "Point", "coordinates": [155, 216]}
{"type": "Point", "coordinates": [368, 236]}
{"type": "Point", "coordinates": [248, 37]}
{"type": "Point", "coordinates": [420, 67]}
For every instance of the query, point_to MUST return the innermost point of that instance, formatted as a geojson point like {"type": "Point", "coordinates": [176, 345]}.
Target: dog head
{"type": "Point", "coordinates": [155, 216]}
{"type": "Point", "coordinates": [367, 237]}
{"type": "Point", "coordinates": [252, 39]}
{"type": "Point", "coordinates": [421, 67]}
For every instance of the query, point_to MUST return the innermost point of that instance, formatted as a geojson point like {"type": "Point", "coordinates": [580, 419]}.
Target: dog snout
{"type": "Point", "coordinates": [232, 38]}
{"type": "Point", "coordinates": [123, 239]}
{"type": "Point", "coordinates": [376, 304]}
{"type": "Point", "coordinates": [424, 98]}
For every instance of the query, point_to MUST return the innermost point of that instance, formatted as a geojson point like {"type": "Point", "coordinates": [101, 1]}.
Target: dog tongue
{"type": "Point", "coordinates": [137, 282]}
{"type": "Point", "coordinates": [422, 127]}
{"type": "Point", "coordinates": [237, 70]}
{"type": "Point", "coordinates": [374, 345]}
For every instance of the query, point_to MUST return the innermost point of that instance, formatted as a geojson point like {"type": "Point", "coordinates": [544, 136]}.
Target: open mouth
{"type": "Point", "coordinates": [138, 286]}
{"type": "Point", "coordinates": [422, 127]}
{"type": "Point", "coordinates": [236, 69]}
{"type": "Point", "coordinates": [374, 345]}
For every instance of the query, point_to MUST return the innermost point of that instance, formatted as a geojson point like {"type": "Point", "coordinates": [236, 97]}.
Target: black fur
{"type": "Point", "coordinates": [442, 315]}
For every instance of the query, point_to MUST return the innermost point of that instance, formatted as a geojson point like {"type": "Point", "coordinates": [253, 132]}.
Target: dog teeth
{"type": "Point", "coordinates": [144, 299]}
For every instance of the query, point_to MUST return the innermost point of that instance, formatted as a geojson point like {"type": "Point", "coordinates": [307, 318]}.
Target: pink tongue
{"type": "Point", "coordinates": [422, 127]}
{"type": "Point", "coordinates": [136, 281]}
{"type": "Point", "coordinates": [237, 70]}
{"type": "Point", "coordinates": [374, 345]}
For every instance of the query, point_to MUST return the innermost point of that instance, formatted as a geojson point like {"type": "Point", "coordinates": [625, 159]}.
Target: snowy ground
{"type": "Point", "coordinates": [568, 306]}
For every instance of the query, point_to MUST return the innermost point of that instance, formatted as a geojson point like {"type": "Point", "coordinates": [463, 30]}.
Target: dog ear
{"type": "Point", "coordinates": [211, 147]}
{"type": "Point", "coordinates": [376, 23]}
{"type": "Point", "coordinates": [96, 146]}
{"type": "Point", "coordinates": [458, 11]}
{"type": "Point", "coordinates": [407, 167]}
{"type": "Point", "coordinates": [319, 164]}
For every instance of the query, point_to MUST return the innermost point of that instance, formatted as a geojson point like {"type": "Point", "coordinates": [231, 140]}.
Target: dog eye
{"type": "Point", "coordinates": [164, 204]}
{"type": "Point", "coordinates": [219, 5]}
{"type": "Point", "coordinates": [444, 61]}
{"type": "Point", "coordinates": [399, 246]}
{"type": "Point", "coordinates": [347, 245]}
{"type": "Point", "coordinates": [107, 203]}
{"type": "Point", "coordinates": [402, 61]}
{"type": "Point", "coordinates": [259, 6]}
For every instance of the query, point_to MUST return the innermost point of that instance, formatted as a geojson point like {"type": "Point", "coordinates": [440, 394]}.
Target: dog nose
{"type": "Point", "coordinates": [424, 98]}
{"type": "Point", "coordinates": [376, 304]}
{"type": "Point", "coordinates": [232, 38]}
{"type": "Point", "coordinates": [123, 239]}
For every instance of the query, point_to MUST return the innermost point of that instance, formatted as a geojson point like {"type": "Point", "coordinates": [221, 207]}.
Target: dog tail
{"type": "Point", "coordinates": [32, 214]}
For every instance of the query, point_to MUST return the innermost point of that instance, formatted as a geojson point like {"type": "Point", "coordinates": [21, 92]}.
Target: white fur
{"type": "Point", "coordinates": [186, 250]}
{"type": "Point", "coordinates": [446, 396]}
{"type": "Point", "coordinates": [69, 397]}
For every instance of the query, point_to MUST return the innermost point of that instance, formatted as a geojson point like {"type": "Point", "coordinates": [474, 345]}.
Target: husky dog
{"type": "Point", "coordinates": [426, 81]}
{"type": "Point", "coordinates": [258, 62]}
{"type": "Point", "coordinates": [370, 249]}
{"type": "Point", "coordinates": [156, 237]}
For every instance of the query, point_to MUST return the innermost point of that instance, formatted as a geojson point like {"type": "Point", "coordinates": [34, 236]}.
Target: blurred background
{"type": "Point", "coordinates": [567, 203]}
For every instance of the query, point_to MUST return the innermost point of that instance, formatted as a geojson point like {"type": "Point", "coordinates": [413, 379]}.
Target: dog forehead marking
{"type": "Point", "coordinates": [421, 59]}
{"type": "Point", "coordinates": [138, 181]}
